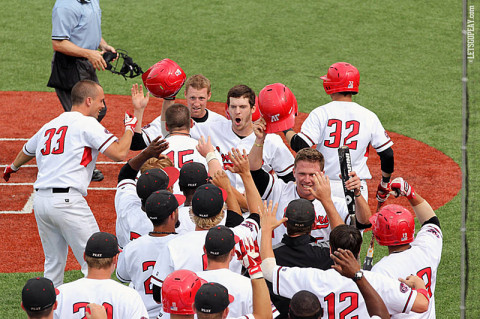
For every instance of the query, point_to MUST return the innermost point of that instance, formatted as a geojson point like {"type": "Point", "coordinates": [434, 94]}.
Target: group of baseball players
{"type": "Point", "coordinates": [215, 216]}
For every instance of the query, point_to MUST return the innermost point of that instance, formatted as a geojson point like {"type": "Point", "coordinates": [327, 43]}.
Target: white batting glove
{"type": "Point", "coordinates": [400, 187]}
{"type": "Point", "coordinates": [250, 256]}
{"type": "Point", "coordinates": [130, 122]}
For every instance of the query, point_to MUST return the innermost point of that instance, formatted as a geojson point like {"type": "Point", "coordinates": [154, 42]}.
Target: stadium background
{"type": "Point", "coordinates": [409, 55]}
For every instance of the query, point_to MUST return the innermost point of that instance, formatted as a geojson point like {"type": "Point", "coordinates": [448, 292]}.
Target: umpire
{"type": "Point", "coordinates": [298, 247]}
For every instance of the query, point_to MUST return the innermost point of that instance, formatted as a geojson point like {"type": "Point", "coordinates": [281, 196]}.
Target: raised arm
{"type": "Point", "coordinates": [256, 153]}
{"type": "Point", "coordinates": [139, 102]}
{"type": "Point", "coordinates": [251, 260]}
{"type": "Point", "coordinates": [422, 209]}
{"type": "Point", "coordinates": [221, 180]}
{"type": "Point", "coordinates": [241, 167]}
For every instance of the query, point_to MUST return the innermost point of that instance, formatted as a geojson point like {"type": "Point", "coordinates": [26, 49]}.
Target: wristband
{"type": "Point", "coordinates": [424, 292]}
{"type": "Point", "coordinates": [359, 194]}
{"type": "Point", "coordinates": [256, 275]}
{"type": "Point", "coordinates": [258, 145]}
{"type": "Point", "coordinates": [385, 179]}
{"type": "Point", "coordinates": [286, 131]}
{"type": "Point", "coordinates": [170, 98]}
{"type": "Point", "coordinates": [14, 168]}
{"type": "Point", "coordinates": [210, 156]}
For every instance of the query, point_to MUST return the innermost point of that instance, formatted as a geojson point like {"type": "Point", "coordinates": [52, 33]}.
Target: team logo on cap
{"type": "Point", "coordinates": [350, 85]}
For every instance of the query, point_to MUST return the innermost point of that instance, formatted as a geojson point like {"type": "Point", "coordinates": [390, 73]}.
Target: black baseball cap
{"type": "Point", "coordinates": [300, 212]}
{"type": "Point", "coordinates": [212, 297]}
{"type": "Point", "coordinates": [192, 175]}
{"type": "Point", "coordinates": [162, 203]}
{"type": "Point", "coordinates": [208, 201]}
{"type": "Point", "coordinates": [220, 240]}
{"type": "Point", "coordinates": [102, 245]}
{"type": "Point", "coordinates": [39, 294]}
{"type": "Point", "coordinates": [155, 179]}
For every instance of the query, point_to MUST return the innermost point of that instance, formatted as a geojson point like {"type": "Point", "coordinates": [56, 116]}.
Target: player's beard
{"type": "Point", "coordinates": [177, 224]}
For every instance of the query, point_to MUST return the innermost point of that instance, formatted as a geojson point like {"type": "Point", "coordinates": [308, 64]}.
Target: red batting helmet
{"type": "Point", "coordinates": [164, 78]}
{"type": "Point", "coordinates": [341, 77]}
{"type": "Point", "coordinates": [278, 107]}
{"type": "Point", "coordinates": [178, 292]}
{"type": "Point", "coordinates": [393, 225]}
{"type": "Point", "coordinates": [255, 115]}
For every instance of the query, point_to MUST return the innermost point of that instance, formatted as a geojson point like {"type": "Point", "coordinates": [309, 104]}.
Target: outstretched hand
{"type": "Point", "coordinates": [205, 146]}
{"type": "Point", "coordinates": [239, 161]}
{"type": "Point", "coordinates": [220, 179]}
{"type": "Point", "coordinates": [268, 217]}
{"type": "Point", "coordinates": [138, 99]}
{"type": "Point", "coordinates": [259, 128]}
{"type": "Point", "coordinates": [155, 148]}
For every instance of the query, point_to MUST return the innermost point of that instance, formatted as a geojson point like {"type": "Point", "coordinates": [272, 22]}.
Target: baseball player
{"type": "Point", "coordinates": [39, 298]}
{"type": "Point", "coordinates": [186, 251]}
{"type": "Point", "coordinates": [66, 149]}
{"type": "Point", "coordinates": [182, 148]}
{"type": "Point", "coordinates": [394, 226]}
{"type": "Point", "coordinates": [238, 133]}
{"type": "Point", "coordinates": [344, 122]}
{"type": "Point", "coordinates": [178, 293]}
{"type": "Point", "coordinates": [220, 250]}
{"type": "Point", "coordinates": [130, 197]}
{"type": "Point", "coordinates": [136, 262]}
{"type": "Point", "coordinates": [340, 296]}
{"type": "Point", "coordinates": [197, 93]}
{"type": "Point", "coordinates": [298, 248]}
{"type": "Point", "coordinates": [101, 255]}
{"type": "Point", "coordinates": [311, 184]}
{"type": "Point", "coordinates": [213, 298]}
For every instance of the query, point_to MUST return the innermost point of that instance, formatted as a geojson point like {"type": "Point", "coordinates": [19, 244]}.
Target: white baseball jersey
{"type": "Point", "coordinates": [120, 301]}
{"type": "Point", "coordinates": [154, 129]}
{"type": "Point", "coordinates": [186, 252]}
{"type": "Point", "coordinates": [283, 193]}
{"type": "Point", "coordinates": [276, 154]}
{"type": "Point", "coordinates": [421, 259]}
{"type": "Point", "coordinates": [238, 286]}
{"type": "Point", "coordinates": [135, 265]}
{"type": "Point", "coordinates": [132, 222]}
{"type": "Point", "coordinates": [66, 149]}
{"type": "Point", "coordinates": [345, 123]}
{"type": "Point", "coordinates": [340, 296]}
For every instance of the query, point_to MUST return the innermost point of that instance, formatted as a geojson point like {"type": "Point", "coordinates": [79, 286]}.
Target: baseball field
{"type": "Point", "coordinates": [409, 55]}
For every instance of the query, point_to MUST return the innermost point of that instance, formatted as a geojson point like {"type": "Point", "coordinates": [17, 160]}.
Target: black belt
{"type": "Point", "coordinates": [58, 190]}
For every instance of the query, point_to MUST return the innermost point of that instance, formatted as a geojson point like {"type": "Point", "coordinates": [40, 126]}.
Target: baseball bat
{"type": "Point", "coordinates": [368, 262]}
{"type": "Point", "coordinates": [345, 169]}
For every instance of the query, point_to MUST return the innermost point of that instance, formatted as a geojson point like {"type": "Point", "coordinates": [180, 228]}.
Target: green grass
{"type": "Point", "coordinates": [408, 53]}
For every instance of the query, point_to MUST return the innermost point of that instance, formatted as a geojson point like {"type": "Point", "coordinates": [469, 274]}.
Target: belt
{"type": "Point", "coordinates": [58, 190]}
